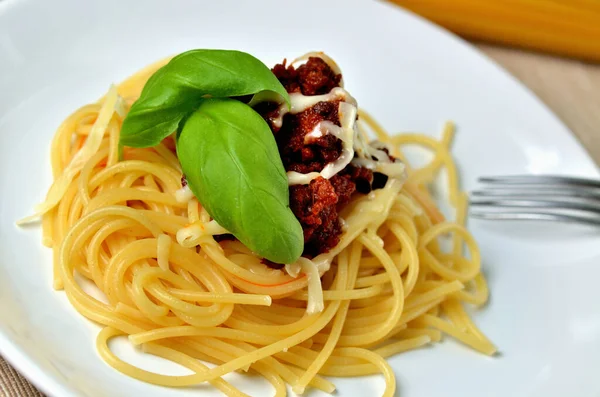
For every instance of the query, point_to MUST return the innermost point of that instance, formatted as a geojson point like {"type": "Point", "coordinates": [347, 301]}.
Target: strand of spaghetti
{"type": "Point", "coordinates": [369, 212]}
{"type": "Point", "coordinates": [193, 211]}
{"type": "Point", "coordinates": [122, 195]}
{"type": "Point", "coordinates": [163, 247]}
{"type": "Point", "coordinates": [443, 290]}
{"type": "Point", "coordinates": [245, 299]}
{"type": "Point", "coordinates": [202, 350]}
{"type": "Point", "coordinates": [368, 281]}
{"type": "Point", "coordinates": [291, 375]}
{"type": "Point", "coordinates": [128, 311]}
{"type": "Point", "coordinates": [47, 234]}
{"type": "Point", "coordinates": [425, 203]}
{"type": "Point", "coordinates": [216, 351]}
{"type": "Point", "coordinates": [362, 293]}
{"type": "Point", "coordinates": [61, 143]}
{"type": "Point", "coordinates": [172, 354]}
{"type": "Point", "coordinates": [165, 280]}
{"type": "Point", "coordinates": [287, 330]}
{"type": "Point", "coordinates": [202, 316]}
{"type": "Point", "coordinates": [341, 368]}
{"type": "Point", "coordinates": [57, 281]}
{"type": "Point", "coordinates": [433, 334]}
{"type": "Point", "coordinates": [379, 131]}
{"type": "Point", "coordinates": [427, 174]}
{"type": "Point", "coordinates": [410, 206]}
{"type": "Point", "coordinates": [62, 214]}
{"type": "Point", "coordinates": [154, 378]}
{"type": "Point", "coordinates": [481, 294]}
{"type": "Point", "coordinates": [186, 330]}
{"type": "Point", "coordinates": [228, 350]}
{"type": "Point", "coordinates": [348, 263]}
{"type": "Point", "coordinates": [461, 215]}
{"type": "Point", "coordinates": [146, 248]}
{"type": "Point", "coordinates": [306, 356]}
{"type": "Point", "coordinates": [371, 264]}
{"type": "Point", "coordinates": [85, 175]}
{"type": "Point", "coordinates": [214, 252]}
{"type": "Point", "coordinates": [169, 157]}
{"type": "Point", "coordinates": [448, 133]}
{"type": "Point", "coordinates": [113, 132]}
{"type": "Point", "coordinates": [165, 174]}
{"type": "Point", "coordinates": [409, 248]}
{"type": "Point", "coordinates": [376, 333]}
{"type": "Point", "coordinates": [93, 254]}
{"type": "Point", "coordinates": [314, 302]}
{"type": "Point", "coordinates": [441, 152]}
{"type": "Point", "coordinates": [266, 368]}
{"type": "Point", "coordinates": [416, 312]}
{"type": "Point", "coordinates": [192, 314]}
{"type": "Point", "coordinates": [322, 320]}
{"type": "Point", "coordinates": [457, 314]}
{"type": "Point", "coordinates": [378, 361]}
{"type": "Point", "coordinates": [60, 186]}
{"type": "Point", "coordinates": [402, 346]}
{"type": "Point", "coordinates": [444, 271]}
{"type": "Point", "coordinates": [65, 249]}
{"type": "Point", "coordinates": [276, 291]}
{"type": "Point", "coordinates": [149, 156]}
{"type": "Point", "coordinates": [469, 340]}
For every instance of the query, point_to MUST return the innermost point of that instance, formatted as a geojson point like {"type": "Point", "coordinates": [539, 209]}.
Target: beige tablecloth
{"type": "Point", "coordinates": [570, 88]}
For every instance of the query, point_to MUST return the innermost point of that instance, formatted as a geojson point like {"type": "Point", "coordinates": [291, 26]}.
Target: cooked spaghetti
{"type": "Point", "coordinates": [399, 277]}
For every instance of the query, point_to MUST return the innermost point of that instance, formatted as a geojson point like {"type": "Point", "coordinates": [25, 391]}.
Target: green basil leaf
{"type": "Point", "coordinates": [232, 165]}
{"type": "Point", "coordinates": [176, 90]}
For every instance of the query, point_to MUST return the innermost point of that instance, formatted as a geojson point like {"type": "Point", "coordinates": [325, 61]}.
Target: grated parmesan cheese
{"type": "Point", "coordinates": [89, 148]}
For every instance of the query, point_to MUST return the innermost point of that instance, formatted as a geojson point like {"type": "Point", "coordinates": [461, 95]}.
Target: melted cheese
{"type": "Point", "coordinates": [300, 103]}
{"type": "Point", "coordinates": [328, 60]}
{"type": "Point", "coordinates": [315, 302]}
{"type": "Point", "coordinates": [391, 169]}
{"type": "Point", "coordinates": [89, 148]}
{"type": "Point", "coordinates": [188, 236]}
{"type": "Point", "coordinates": [293, 269]}
{"type": "Point", "coordinates": [354, 148]}
{"type": "Point", "coordinates": [184, 194]}
{"type": "Point", "coordinates": [346, 133]}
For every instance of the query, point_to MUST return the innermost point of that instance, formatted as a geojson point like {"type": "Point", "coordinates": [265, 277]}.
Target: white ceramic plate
{"type": "Point", "coordinates": [57, 55]}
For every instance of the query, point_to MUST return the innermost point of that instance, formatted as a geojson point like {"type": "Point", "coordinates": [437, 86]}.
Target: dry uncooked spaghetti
{"type": "Point", "coordinates": [389, 286]}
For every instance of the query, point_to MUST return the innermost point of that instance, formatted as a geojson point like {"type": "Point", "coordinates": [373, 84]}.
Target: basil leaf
{"type": "Point", "coordinates": [232, 165]}
{"type": "Point", "coordinates": [176, 90]}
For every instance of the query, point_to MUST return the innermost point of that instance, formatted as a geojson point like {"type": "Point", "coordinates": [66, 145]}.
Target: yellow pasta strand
{"type": "Point", "coordinates": [118, 222]}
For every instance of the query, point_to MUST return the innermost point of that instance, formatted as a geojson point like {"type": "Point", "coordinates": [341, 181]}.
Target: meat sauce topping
{"type": "Point", "coordinates": [317, 204]}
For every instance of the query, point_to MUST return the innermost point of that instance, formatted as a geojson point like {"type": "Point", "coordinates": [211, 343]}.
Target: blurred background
{"type": "Point", "coordinates": [552, 46]}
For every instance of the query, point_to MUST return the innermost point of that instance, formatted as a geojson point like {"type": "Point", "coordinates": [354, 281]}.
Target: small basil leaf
{"type": "Point", "coordinates": [177, 88]}
{"type": "Point", "coordinates": [232, 165]}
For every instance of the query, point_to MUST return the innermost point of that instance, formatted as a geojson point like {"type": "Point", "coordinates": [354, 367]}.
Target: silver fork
{"type": "Point", "coordinates": [539, 198]}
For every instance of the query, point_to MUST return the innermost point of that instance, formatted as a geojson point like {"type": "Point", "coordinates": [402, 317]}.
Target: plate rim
{"type": "Point", "coordinates": [27, 366]}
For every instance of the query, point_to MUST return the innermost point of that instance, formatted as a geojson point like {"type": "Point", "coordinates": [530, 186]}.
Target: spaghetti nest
{"type": "Point", "coordinates": [389, 286]}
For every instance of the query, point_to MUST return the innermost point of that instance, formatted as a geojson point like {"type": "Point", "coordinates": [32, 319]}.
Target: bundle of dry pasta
{"type": "Point", "coordinates": [562, 27]}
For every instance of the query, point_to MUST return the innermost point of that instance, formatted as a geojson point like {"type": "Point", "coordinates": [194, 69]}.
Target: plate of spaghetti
{"type": "Point", "coordinates": [230, 199]}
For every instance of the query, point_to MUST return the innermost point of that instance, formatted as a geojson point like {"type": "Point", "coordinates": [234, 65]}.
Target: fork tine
{"type": "Point", "coordinates": [540, 180]}
{"type": "Point", "coordinates": [538, 191]}
{"type": "Point", "coordinates": [536, 216]}
{"type": "Point", "coordinates": [512, 203]}
{"type": "Point", "coordinates": [538, 197]}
